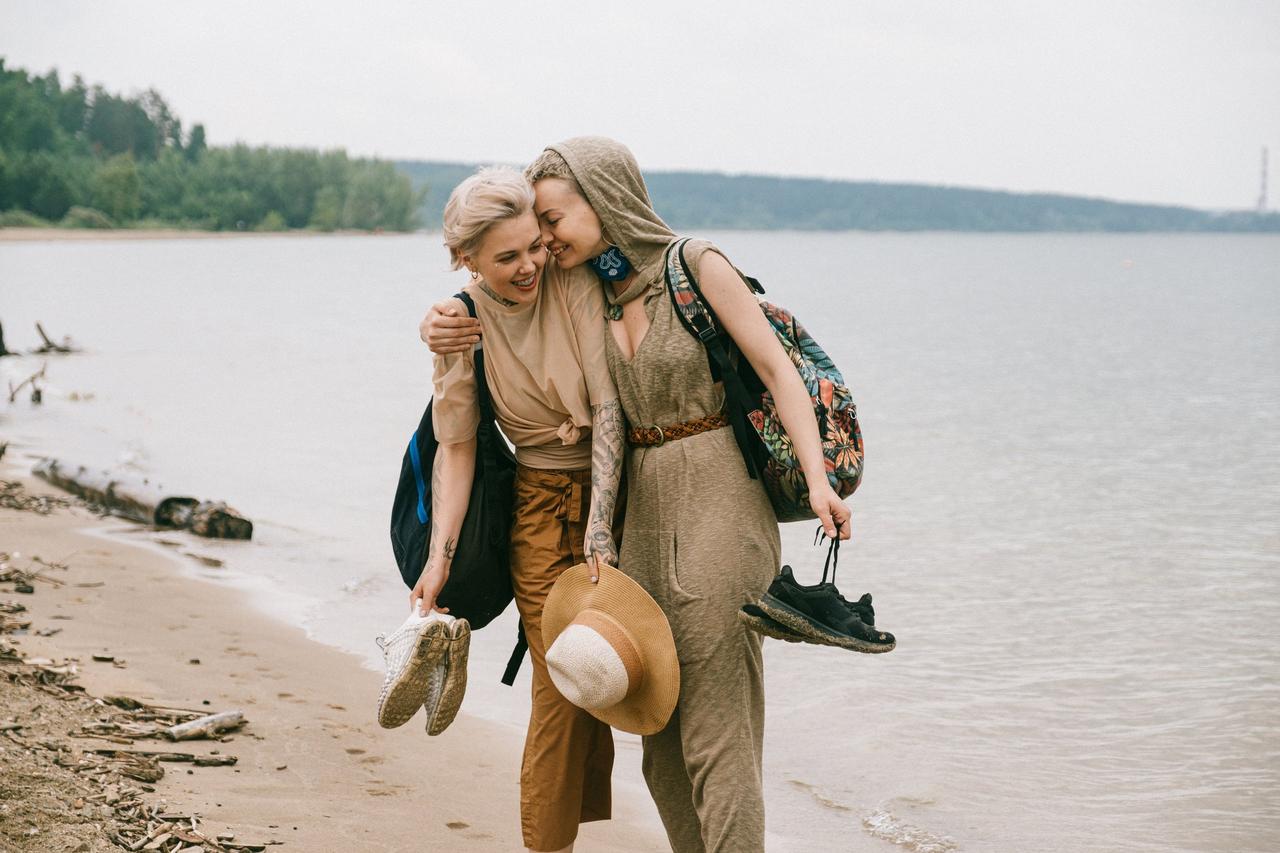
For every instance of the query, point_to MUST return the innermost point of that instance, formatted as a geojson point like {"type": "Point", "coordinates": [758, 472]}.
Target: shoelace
{"type": "Point", "coordinates": [832, 561]}
{"type": "Point", "coordinates": [833, 553]}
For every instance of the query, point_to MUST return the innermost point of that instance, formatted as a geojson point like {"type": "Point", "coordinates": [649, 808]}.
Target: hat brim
{"type": "Point", "coordinates": [647, 710]}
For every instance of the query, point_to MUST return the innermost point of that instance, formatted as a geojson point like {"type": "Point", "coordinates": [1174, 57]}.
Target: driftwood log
{"type": "Point", "coordinates": [49, 346]}
{"type": "Point", "coordinates": [141, 500]}
{"type": "Point", "coordinates": [206, 727]}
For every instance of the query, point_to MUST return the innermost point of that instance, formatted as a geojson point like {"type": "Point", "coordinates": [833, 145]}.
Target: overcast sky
{"type": "Point", "coordinates": [1148, 100]}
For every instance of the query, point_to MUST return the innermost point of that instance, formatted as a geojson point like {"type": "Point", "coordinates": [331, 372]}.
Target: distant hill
{"type": "Point", "coordinates": [706, 200]}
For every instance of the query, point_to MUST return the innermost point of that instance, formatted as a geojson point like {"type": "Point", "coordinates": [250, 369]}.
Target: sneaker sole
{"type": "Point", "coordinates": [455, 680]}
{"type": "Point", "coordinates": [406, 694]}
{"type": "Point", "coordinates": [755, 619]}
{"type": "Point", "coordinates": [817, 632]}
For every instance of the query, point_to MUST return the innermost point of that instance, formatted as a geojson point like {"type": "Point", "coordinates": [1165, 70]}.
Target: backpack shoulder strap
{"type": "Point", "coordinates": [698, 318]}
{"type": "Point", "coordinates": [482, 384]}
{"type": "Point", "coordinates": [692, 309]}
{"type": "Point", "coordinates": [691, 306]}
{"type": "Point", "coordinates": [486, 412]}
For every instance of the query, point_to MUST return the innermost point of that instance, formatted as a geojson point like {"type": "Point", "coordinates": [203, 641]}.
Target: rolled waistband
{"type": "Point", "coordinates": [573, 487]}
{"type": "Point", "coordinates": [552, 479]}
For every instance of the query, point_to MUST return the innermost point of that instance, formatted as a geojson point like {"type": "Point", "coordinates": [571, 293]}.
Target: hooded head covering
{"type": "Point", "coordinates": [610, 178]}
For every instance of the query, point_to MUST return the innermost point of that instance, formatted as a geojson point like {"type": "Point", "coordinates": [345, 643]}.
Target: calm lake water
{"type": "Point", "coordinates": [1070, 518]}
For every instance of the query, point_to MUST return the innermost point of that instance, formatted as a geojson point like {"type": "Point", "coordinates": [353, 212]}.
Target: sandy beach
{"type": "Point", "coordinates": [314, 771]}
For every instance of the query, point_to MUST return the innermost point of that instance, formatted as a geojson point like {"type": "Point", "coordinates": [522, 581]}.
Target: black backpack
{"type": "Point", "coordinates": [479, 585]}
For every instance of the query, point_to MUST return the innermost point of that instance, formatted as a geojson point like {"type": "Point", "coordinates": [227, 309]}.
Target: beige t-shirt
{"type": "Point", "coordinates": [545, 365]}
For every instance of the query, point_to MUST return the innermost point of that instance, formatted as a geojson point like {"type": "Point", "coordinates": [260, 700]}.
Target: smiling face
{"type": "Point", "coordinates": [510, 257]}
{"type": "Point", "coordinates": [570, 228]}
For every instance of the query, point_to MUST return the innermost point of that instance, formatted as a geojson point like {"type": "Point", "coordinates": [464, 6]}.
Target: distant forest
{"type": "Point", "coordinates": [708, 200]}
{"type": "Point", "coordinates": [84, 157]}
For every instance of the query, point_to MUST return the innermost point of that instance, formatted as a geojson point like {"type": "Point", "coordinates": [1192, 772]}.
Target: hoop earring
{"type": "Point", "coordinates": [475, 275]}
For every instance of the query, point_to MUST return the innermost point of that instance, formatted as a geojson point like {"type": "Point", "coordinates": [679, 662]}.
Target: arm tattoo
{"type": "Point", "coordinates": [437, 480]}
{"type": "Point", "coordinates": [437, 498]}
{"type": "Point", "coordinates": [607, 429]}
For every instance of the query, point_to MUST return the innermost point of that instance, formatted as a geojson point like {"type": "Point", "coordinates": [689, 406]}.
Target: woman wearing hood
{"type": "Point", "coordinates": [700, 536]}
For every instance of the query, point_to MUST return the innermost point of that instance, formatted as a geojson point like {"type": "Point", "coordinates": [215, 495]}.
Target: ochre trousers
{"type": "Point", "coordinates": [568, 754]}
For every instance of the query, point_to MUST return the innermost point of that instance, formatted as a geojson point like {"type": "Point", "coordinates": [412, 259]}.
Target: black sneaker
{"type": "Point", "coordinates": [822, 615]}
{"type": "Point", "coordinates": [861, 608]}
{"type": "Point", "coordinates": [754, 618]}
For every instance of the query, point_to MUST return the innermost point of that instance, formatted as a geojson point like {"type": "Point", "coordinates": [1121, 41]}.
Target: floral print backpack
{"type": "Point", "coordinates": [766, 449]}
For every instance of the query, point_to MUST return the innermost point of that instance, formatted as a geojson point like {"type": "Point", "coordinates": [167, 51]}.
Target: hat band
{"type": "Point", "coordinates": [618, 638]}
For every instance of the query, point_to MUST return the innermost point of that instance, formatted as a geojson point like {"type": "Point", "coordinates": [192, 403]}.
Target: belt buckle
{"type": "Point", "coordinates": [662, 436]}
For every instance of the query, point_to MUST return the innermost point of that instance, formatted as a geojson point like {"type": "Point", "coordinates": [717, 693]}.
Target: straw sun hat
{"type": "Point", "coordinates": [610, 650]}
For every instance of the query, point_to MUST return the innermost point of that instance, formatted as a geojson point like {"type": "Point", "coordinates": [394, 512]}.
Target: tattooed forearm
{"type": "Point", "coordinates": [437, 498]}
{"type": "Point", "coordinates": [451, 473]}
{"type": "Point", "coordinates": [607, 448]}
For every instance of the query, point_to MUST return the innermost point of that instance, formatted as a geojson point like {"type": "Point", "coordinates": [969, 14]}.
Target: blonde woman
{"type": "Point", "coordinates": [544, 362]}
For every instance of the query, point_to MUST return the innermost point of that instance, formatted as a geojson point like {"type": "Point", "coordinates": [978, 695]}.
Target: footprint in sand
{"type": "Point", "coordinates": [351, 750]}
{"type": "Point", "coordinates": [457, 824]}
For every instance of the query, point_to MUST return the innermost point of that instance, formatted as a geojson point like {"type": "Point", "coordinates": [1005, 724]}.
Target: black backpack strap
{"type": "Point", "coordinates": [517, 656]}
{"type": "Point", "coordinates": [486, 413]}
{"type": "Point", "coordinates": [739, 400]}
{"type": "Point", "coordinates": [482, 384]}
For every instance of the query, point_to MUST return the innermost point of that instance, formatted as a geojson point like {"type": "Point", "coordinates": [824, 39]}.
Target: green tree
{"type": "Point", "coordinates": [195, 143]}
{"type": "Point", "coordinates": [42, 184]}
{"type": "Point", "coordinates": [327, 213]}
{"type": "Point", "coordinates": [118, 125]}
{"type": "Point", "coordinates": [117, 190]}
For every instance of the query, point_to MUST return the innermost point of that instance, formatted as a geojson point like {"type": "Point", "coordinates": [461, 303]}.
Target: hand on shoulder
{"type": "Point", "coordinates": [447, 327]}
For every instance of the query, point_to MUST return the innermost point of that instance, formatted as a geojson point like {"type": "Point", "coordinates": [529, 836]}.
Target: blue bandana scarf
{"type": "Point", "coordinates": [611, 266]}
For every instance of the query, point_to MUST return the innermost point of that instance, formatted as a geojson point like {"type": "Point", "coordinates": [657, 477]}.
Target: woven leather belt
{"type": "Point", "coordinates": [655, 436]}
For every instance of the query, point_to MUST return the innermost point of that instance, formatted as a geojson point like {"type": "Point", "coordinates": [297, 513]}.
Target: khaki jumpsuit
{"type": "Point", "coordinates": [702, 539]}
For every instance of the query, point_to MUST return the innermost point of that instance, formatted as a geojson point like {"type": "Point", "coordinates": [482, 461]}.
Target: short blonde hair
{"type": "Point", "coordinates": [491, 195]}
{"type": "Point", "coordinates": [551, 165]}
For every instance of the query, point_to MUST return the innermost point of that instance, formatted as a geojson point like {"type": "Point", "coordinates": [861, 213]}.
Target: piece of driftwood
{"type": "Point", "coordinates": [49, 346]}
{"type": "Point", "coordinates": [141, 500]}
{"type": "Point", "coordinates": [31, 380]}
{"type": "Point", "coordinates": [206, 727]}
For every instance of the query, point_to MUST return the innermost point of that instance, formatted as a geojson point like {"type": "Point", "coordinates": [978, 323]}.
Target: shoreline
{"type": "Point", "coordinates": [73, 235]}
{"type": "Point", "coordinates": [312, 755]}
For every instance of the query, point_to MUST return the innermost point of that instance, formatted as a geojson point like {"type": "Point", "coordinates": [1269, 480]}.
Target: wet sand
{"type": "Point", "coordinates": [315, 770]}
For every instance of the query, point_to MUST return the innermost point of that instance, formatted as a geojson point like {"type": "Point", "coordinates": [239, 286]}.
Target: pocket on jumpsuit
{"type": "Point", "coordinates": [688, 602]}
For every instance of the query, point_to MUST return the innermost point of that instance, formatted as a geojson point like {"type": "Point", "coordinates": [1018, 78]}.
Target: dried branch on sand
{"type": "Point", "coordinates": [73, 792]}
{"type": "Point", "coordinates": [49, 346]}
{"type": "Point", "coordinates": [31, 380]}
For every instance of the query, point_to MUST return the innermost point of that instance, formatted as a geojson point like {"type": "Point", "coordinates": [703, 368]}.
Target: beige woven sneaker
{"type": "Point", "coordinates": [411, 654]}
{"type": "Point", "coordinates": [447, 683]}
